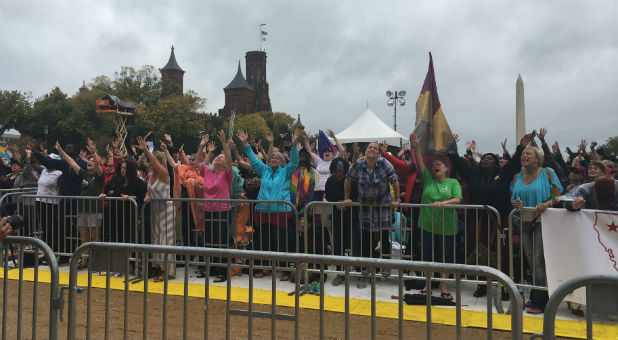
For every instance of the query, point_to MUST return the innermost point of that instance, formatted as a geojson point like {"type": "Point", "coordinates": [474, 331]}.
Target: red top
{"type": "Point", "coordinates": [403, 169]}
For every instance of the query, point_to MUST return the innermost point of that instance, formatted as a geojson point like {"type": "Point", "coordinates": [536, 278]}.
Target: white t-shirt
{"type": "Point", "coordinates": [323, 168]}
{"type": "Point", "coordinates": [49, 186]}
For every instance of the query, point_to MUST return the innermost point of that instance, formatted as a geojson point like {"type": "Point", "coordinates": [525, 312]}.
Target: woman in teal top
{"type": "Point", "coordinates": [439, 224]}
{"type": "Point", "coordinates": [275, 223]}
{"type": "Point", "coordinates": [536, 187]}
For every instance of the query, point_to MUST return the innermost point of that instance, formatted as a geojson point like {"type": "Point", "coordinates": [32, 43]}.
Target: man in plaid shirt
{"type": "Point", "coordinates": [373, 175]}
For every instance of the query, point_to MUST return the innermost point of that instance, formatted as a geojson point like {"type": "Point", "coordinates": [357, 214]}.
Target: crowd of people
{"type": "Point", "coordinates": [370, 185]}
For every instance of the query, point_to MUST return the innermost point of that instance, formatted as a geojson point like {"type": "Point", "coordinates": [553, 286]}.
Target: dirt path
{"type": "Point", "coordinates": [360, 326]}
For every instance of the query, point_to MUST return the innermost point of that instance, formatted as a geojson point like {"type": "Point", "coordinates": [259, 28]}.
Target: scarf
{"type": "Point", "coordinates": [301, 184]}
{"type": "Point", "coordinates": [191, 179]}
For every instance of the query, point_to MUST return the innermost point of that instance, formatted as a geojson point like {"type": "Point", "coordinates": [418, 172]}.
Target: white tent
{"type": "Point", "coordinates": [369, 128]}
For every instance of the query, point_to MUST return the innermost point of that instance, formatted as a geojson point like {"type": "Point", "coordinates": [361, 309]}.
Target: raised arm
{"type": "Point", "coordinates": [420, 165]}
{"type": "Point", "coordinates": [200, 149]}
{"type": "Point", "coordinates": [226, 151]}
{"type": "Point", "coordinates": [342, 151]}
{"type": "Point", "coordinates": [68, 158]}
{"type": "Point", "coordinates": [549, 160]}
{"type": "Point", "coordinates": [241, 163]}
{"type": "Point", "coordinates": [154, 162]}
{"type": "Point", "coordinates": [168, 157]}
{"type": "Point", "coordinates": [92, 148]}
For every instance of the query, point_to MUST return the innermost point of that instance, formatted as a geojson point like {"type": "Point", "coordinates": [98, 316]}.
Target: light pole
{"type": "Point", "coordinates": [395, 97]}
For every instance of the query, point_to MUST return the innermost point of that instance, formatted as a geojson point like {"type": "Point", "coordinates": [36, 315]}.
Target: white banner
{"type": "Point", "coordinates": [579, 243]}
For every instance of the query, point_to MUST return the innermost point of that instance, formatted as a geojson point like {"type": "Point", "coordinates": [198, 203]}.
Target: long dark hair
{"type": "Point", "coordinates": [131, 170]}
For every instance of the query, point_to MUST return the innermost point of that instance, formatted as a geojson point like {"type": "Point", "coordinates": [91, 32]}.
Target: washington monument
{"type": "Point", "coordinates": [520, 110]}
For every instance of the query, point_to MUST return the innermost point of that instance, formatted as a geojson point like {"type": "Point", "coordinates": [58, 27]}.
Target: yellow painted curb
{"type": "Point", "coordinates": [439, 315]}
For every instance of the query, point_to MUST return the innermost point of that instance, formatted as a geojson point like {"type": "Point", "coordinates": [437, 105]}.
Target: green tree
{"type": "Point", "coordinates": [14, 105]}
{"type": "Point", "coordinates": [180, 116]}
{"type": "Point", "coordinates": [611, 145]}
{"type": "Point", "coordinates": [83, 121]}
{"type": "Point", "coordinates": [46, 113]}
{"type": "Point", "coordinates": [142, 86]}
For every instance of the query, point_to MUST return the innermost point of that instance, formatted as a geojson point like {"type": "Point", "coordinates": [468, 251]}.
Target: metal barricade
{"type": "Point", "coordinates": [203, 317]}
{"type": "Point", "coordinates": [525, 249]}
{"type": "Point", "coordinates": [29, 253]}
{"type": "Point", "coordinates": [220, 224]}
{"type": "Point", "coordinates": [473, 238]}
{"type": "Point", "coordinates": [8, 199]}
{"type": "Point", "coordinates": [63, 222]}
{"type": "Point", "coordinates": [590, 282]}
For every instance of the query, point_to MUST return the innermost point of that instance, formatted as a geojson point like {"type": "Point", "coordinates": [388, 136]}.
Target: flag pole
{"type": "Point", "coordinates": [260, 35]}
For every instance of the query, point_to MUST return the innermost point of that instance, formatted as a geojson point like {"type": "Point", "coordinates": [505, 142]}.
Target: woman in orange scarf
{"type": "Point", "coordinates": [188, 183]}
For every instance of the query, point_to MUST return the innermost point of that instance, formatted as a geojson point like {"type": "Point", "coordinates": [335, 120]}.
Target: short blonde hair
{"type": "Point", "coordinates": [539, 155]}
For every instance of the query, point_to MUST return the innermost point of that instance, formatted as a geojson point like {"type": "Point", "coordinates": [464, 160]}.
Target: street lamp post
{"type": "Point", "coordinates": [395, 97]}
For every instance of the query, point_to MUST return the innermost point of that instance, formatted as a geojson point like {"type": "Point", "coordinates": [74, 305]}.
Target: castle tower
{"type": "Point", "coordinates": [239, 96]}
{"type": "Point", "coordinates": [172, 77]}
{"type": "Point", "coordinates": [256, 76]}
{"type": "Point", "coordinates": [83, 88]}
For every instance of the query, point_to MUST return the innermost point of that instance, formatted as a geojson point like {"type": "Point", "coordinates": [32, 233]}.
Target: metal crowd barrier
{"type": "Point", "coordinates": [113, 328]}
{"type": "Point", "coordinates": [591, 282]}
{"type": "Point", "coordinates": [8, 204]}
{"type": "Point", "coordinates": [523, 232]}
{"type": "Point", "coordinates": [339, 232]}
{"type": "Point", "coordinates": [29, 253]}
{"type": "Point", "coordinates": [64, 222]}
{"type": "Point", "coordinates": [221, 224]}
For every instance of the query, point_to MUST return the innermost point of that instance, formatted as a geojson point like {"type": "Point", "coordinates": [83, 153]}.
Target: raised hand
{"type": "Point", "coordinates": [204, 140]}
{"type": "Point", "coordinates": [468, 145]}
{"type": "Point", "coordinates": [295, 135]}
{"type": "Point", "coordinates": [503, 144]}
{"type": "Point", "coordinates": [542, 133]}
{"type": "Point", "coordinates": [593, 144]}
{"type": "Point", "coordinates": [473, 145]}
{"type": "Point", "coordinates": [356, 148]}
{"type": "Point", "coordinates": [167, 138]}
{"type": "Point", "coordinates": [414, 142]}
{"type": "Point", "coordinates": [115, 143]}
{"type": "Point", "coordinates": [211, 147]}
{"type": "Point", "coordinates": [270, 137]}
{"type": "Point", "coordinates": [148, 135]}
{"type": "Point", "coordinates": [304, 134]}
{"type": "Point", "coordinates": [526, 139]}
{"type": "Point", "coordinates": [555, 147]}
{"type": "Point", "coordinates": [330, 133]}
{"type": "Point", "coordinates": [162, 145]}
{"type": "Point", "coordinates": [242, 136]}
{"type": "Point", "coordinates": [456, 138]}
{"type": "Point", "coordinates": [141, 143]}
{"type": "Point", "coordinates": [58, 147]}
{"type": "Point", "coordinates": [222, 137]}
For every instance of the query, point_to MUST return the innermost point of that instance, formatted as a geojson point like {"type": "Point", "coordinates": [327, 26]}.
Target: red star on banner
{"type": "Point", "coordinates": [613, 227]}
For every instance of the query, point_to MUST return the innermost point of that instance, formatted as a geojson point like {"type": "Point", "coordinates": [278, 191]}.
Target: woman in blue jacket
{"type": "Point", "coordinates": [274, 222]}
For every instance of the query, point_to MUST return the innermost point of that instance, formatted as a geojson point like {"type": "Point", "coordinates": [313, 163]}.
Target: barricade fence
{"type": "Point", "coordinates": [601, 297]}
{"type": "Point", "coordinates": [205, 319]}
{"type": "Point", "coordinates": [19, 253]}
{"type": "Point", "coordinates": [464, 234]}
{"type": "Point", "coordinates": [8, 199]}
{"type": "Point", "coordinates": [64, 222]}
{"type": "Point", "coordinates": [525, 249]}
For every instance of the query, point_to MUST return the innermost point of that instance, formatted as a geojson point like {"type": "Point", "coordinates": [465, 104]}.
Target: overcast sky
{"type": "Point", "coordinates": [328, 59]}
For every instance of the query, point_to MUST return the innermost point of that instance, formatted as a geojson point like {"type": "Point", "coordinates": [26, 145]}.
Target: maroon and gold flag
{"type": "Point", "coordinates": [431, 126]}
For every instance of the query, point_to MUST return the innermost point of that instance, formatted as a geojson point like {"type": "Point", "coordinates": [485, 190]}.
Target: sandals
{"type": "Point", "coordinates": [423, 292]}
{"type": "Point", "coordinates": [534, 311]}
{"type": "Point", "coordinates": [447, 296]}
{"type": "Point", "coordinates": [260, 274]}
{"type": "Point", "coordinates": [220, 278]}
{"type": "Point", "coordinates": [160, 278]}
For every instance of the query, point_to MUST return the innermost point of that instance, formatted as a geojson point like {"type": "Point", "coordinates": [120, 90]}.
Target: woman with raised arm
{"type": "Point", "coordinates": [90, 212]}
{"type": "Point", "coordinates": [163, 231]}
{"type": "Point", "coordinates": [188, 183]}
{"type": "Point", "coordinates": [217, 215]}
{"type": "Point", "coordinates": [534, 187]}
{"type": "Point", "coordinates": [322, 164]}
{"type": "Point", "coordinates": [275, 229]}
{"type": "Point", "coordinates": [439, 224]}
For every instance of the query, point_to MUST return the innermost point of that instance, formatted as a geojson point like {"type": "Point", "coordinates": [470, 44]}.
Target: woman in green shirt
{"type": "Point", "coordinates": [439, 225]}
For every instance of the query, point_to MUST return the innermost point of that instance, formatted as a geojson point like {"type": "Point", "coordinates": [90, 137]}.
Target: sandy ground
{"type": "Point", "coordinates": [360, 326]}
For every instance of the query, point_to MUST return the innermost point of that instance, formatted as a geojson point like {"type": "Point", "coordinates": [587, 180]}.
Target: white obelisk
{"type": "Point", "coordinates": [520, 110]}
